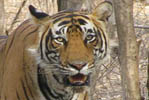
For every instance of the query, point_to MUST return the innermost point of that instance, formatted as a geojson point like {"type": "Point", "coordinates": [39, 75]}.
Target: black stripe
{"type": "Point", "coordinates": [62, 13]}
{"type": "Point", "coordinates": [99, 34]}
{"type": "Point", "coordinates": [92, 41]}
{"type": "Point", "coordinates": [24, 29]}
{"type": "Point", "coordinates": [105, 41]}
{"type": "Point", "coordinates": [10, 45]}
{"type": "Point", "coordinates": [30, 33]}
{"type": "Point", "coordinates": [24, 89]}
{"type": "Point", "coordinates": [31, 79]}
{"type": "Point", "coordinates": [5, 97]}
{"type": "Point", "coordinates": [61, 30]}
{"type": "Point", "coordinates": [103, 33]}
{"type": "Point", "coordinates": [63, 23]}
{"type": "Point", "coordinates": [48, 53]}
{"type": "Point", "coordinates": [44, 87]}
{"type": "Point", "coordinates": [42, 38]}
{"type": "Point", "coordinates": [48, 38]}
{"type": "Point", "coordinates": [28, 86]}
{"type": "Point", "coordinates": [89, 31]}
{"type": "Point", "coordinates": [69, 16]}
{"type": "Point", "coordinates": [14, 35]}
{"type": "Point", "coordinates": [57, 32]}
{"type": "Point", "coordinates": [26, 80]}
{"type": "Point", "coordinates": [56, 78]}
{"type": "Point", "coordinates": [77, 26]}
{"type": "Point", "coordinates": [59, 95]}
{"type": "Point", "coordinates": [58, 15]}
{"type": "Point", "coordinates": [41, 49]}
{"type": "Point", "coordinates": [17, 95]}
{"type": "Point", "coordinates": [81, 21]}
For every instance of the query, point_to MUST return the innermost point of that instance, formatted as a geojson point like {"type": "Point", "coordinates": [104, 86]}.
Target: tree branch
{"type": "Point", "coordinates": [16, 17]}
{"type": "Point", "coordinates": [141, 26]}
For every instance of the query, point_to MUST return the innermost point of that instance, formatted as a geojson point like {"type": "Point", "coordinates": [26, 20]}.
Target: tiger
{"type": "Point", "coordinates": [54, 57]}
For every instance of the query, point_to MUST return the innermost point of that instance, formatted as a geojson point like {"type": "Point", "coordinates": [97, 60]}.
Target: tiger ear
{"type": "Point", "coordinates": [103, 10]}
{"type": "Point", "coordinates": [38, 16]}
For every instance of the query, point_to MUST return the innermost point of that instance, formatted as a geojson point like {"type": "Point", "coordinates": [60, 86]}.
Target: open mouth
{"type": "Point", "coordinates": [77, 80]}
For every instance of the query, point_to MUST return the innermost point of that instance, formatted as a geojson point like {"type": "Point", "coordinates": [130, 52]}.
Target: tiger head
{"type": "Point", "coordinates": [71, 43]}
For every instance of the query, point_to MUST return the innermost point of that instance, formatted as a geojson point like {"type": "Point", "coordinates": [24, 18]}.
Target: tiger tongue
{"type": "Point", "coordinates": [79, 79]}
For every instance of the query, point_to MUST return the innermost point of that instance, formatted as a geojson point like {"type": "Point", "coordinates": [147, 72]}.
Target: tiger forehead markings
{"type": "Point", "coordinates": [81, 25]}
{"type": "Point", "coordinates": [82, 21]}
{"type": "Point", "coordinates": [73, 30]}
{"type": "Point", "coordinates": [54, 57]}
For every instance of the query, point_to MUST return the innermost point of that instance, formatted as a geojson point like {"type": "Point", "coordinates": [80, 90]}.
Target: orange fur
{"type": "Point", "coordinates": [21, 65]}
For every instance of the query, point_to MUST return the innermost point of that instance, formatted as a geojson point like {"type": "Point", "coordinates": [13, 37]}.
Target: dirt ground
{"type": "Point", "coordinates": [109, 80]}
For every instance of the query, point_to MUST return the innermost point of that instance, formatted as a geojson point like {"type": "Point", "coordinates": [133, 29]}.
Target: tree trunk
{"type": "Point", "coordinates": [147, 2]}
{"type": "Point", "coordinates": [1, 17]}
{"type": "Point", "coordinates": [128, 49]}
{"type": "Point", "coordinates": [69, 4]}
{"type": "Point", "coordinates": [147, 85]}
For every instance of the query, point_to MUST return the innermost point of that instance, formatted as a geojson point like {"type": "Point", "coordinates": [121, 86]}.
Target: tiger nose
{"type": "Point", "coordinates": [77, 66]}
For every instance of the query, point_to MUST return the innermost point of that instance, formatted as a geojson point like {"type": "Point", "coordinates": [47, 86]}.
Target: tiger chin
{"type": "Point", "coordinates": [54, 57]}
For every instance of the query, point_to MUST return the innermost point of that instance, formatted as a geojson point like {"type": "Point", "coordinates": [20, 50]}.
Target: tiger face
{"type": "Point", "coordinates": [71, 43]}
{"type": "Point", "coordinates": [74, 42]}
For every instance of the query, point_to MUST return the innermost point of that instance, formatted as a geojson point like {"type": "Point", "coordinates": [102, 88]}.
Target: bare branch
{"type": "Point", "coordinates": [141, 26]}
{"type": "Point", "coordinates": [16, 17]}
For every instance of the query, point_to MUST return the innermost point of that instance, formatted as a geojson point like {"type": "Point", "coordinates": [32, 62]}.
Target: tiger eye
{"type": "Point", "coordinates": [60, 39]}
{"type": "Point", "coordinates": [89, 37]}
